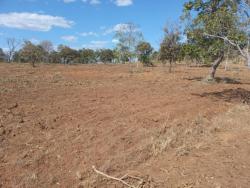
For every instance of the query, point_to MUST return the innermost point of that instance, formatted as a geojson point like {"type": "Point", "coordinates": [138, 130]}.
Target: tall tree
{"type": "Point", "coordinates": [128, 36]}
{"type": "Point", "coordinates": [240, 41]}
{"type": "Point", "coordinates": [215, 25]}
{"type": "Point", "coordinates": [47, 46]}
{"type": "Point", "coordinates": [12, 44]}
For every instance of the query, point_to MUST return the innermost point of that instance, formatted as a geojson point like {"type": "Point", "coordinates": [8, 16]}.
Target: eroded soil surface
{"type": "Point", "coordinates": [170, 130]}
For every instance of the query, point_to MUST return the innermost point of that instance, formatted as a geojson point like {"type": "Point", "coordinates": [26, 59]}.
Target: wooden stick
{"type": "Point", "coordinates": [121, 180]}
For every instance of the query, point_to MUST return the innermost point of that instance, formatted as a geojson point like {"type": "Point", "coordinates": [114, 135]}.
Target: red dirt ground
{"type": "Point", "coordinates": [171, 130]}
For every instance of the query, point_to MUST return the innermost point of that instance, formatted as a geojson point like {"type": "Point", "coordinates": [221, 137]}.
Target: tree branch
{"type": "Point", "coordinates": [121, 180]}
{"type": "Point", "coordinates": [229, 41]}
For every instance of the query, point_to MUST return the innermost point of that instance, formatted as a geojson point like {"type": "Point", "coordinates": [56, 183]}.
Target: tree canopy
{"type": "Point", "coordinates": [105, 55]}
{"type": "Point", "coordinates": [128, 36]}
{"type": "Point", "coordinates": [31, 53]}
{"type": "Point", "coordinates": [144, 51]}
{"type": "Point", "coordinates": [212, 21]}
{"type": "Point", "coordinates": [87, 56]}
{"type": "Point", "coordinates": [170, 46]}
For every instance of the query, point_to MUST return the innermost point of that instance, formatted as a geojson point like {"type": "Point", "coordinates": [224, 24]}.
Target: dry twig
{"type": "Point", "coordinates": [121, 180]}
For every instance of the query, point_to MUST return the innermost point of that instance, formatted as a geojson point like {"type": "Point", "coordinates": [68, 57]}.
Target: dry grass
{"type": "Point", "coordinates": [184, 137]}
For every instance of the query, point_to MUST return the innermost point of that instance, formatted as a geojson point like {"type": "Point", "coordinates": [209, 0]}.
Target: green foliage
{"type": "Point", "coordinates": [122, 54]}
{"type": "Point", "coordinates": [214, 17]}
{"type": "Point", "coordinates": [54, 57]}
{"type": "Point", "coordinates": [128, 36]}
{"type": "Point", "coordinates": [191, 51]}
{"type": "Point", "coordinates": [155, 56]}
{"type": "Point", "coordinates": [87, 56]}
{"type": "Point", "coordinates": [105, 55]}
{"type": "Point", "coordinates": [31, 53]}
{"type": "Point", "coordinates": [68, 55]}
{"type": "Point", "coordinates": [16, 57]}
{"type": "Point", "coordinates": [144, 51]}
{"type": "Point", "coordinates": [170, 46]}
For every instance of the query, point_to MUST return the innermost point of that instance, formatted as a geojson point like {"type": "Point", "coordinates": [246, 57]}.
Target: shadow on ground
{"type": "Point", "coordinates": [238, 95]}
{"type": "Point", "coordinates": [224, 80]}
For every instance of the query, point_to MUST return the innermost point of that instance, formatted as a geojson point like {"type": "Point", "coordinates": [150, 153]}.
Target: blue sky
{"type": "Point", "coordinates": [84, 23]}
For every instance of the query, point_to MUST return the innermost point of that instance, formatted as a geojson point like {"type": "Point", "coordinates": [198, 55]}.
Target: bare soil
{"type": "Point", "coordinates": [171, 130]}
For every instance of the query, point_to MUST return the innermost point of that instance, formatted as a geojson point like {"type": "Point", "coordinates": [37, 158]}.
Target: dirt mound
{"type": "Point", "coordinates": [238, 95]}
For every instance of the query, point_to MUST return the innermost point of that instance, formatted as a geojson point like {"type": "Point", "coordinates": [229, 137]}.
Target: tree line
{"type": "Point", "coordinates": [212, 30]}
{"type": "Point", "coordinates": [44, 52]}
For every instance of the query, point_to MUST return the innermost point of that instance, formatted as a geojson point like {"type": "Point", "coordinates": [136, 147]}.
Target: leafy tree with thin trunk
{"type": "Point", "coordinates": [128, 36]}
{"type": "Point", "coordinates": [170, 46]}
{"type": "Point", "coordinates": [239, 42]}
{"type": "Point", "coordinates": [144, 51]}
{"type": "Point", "coordinates": [215, 24]}
{"type": "Point", "coordinates": [31, 53]}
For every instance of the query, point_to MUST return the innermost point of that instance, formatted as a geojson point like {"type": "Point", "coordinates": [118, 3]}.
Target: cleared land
{"type": "Point", "coordinates": [171, 130]}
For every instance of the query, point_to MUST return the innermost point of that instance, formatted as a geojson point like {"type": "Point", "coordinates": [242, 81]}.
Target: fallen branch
{"type": "Point", "coordinates": [121, 180]}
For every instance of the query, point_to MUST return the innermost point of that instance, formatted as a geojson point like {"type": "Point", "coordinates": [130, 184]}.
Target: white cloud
{"type": "Point", "coordinates": [92, 2]}
{"type": "Point", "coordinates": [69, 1]}
{"type": "Point", "coordinates": [33, 21]}
{"type": "Point", "coordinates": [69, 38]}
{"type": "Point", "coordinates": [34, 40]}
{"type": "Point", "coordinates": [122, 27]}
{"type": "Point", "coordinates": [122, 3]}
{"type": "Point", "coordinates": [87, 34]}
{"type": "Point", "coordinates": [96, 44]}
{"type": "Point", "coordinates": [103, 27]}
{"type": "Point", "coordinates": [115, 41]}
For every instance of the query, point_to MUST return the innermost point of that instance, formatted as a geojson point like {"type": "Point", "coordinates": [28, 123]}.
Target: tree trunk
{"type": "Point", "coordinates": [33, 64]}
{"type": "Point", "coordinates": [170, 67]}
{"type": "Point", "coordinates": [248, 61]}
{"type": "Point", "coordinates": [227, 60]}
{"type": "Point", "coordinates": [215, 66]}
{"type": "Point", "coordinates": [9, 57]}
